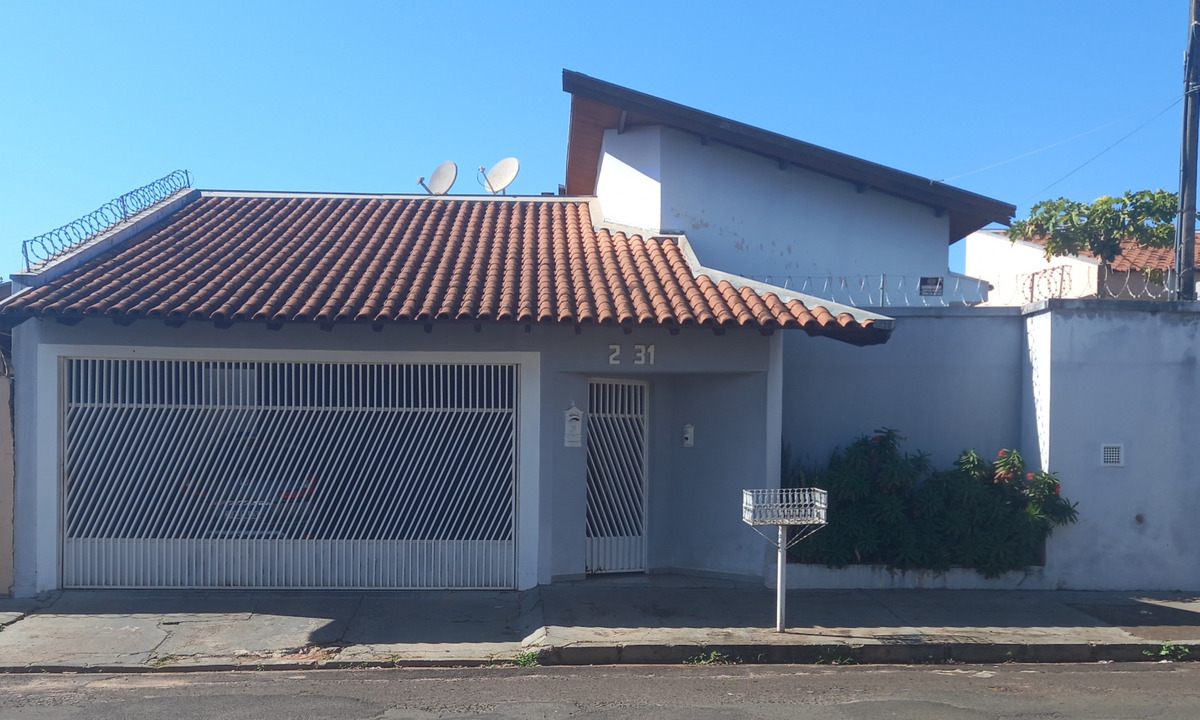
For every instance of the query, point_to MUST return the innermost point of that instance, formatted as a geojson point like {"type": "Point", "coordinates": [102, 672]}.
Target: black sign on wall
{"type": "Point", "coordinates": [932, 286]}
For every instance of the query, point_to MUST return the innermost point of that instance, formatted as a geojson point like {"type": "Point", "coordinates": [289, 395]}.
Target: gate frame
{"type": "Point", "coordinates": [47, 444]}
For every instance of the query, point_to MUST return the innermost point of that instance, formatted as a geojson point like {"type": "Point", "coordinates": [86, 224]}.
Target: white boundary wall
{"type": "Point", "coordinates": [948, 379]}
{"type": "Point", "coordinates": [1124, 373]}
{"type": "Point", "coordinates": [1056, 380]}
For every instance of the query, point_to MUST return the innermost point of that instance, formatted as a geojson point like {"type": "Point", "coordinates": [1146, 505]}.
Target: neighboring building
{"type": "Point", "coordinates": [1020, 273]}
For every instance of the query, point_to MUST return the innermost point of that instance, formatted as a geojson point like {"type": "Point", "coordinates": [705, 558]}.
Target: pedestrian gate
{"type": "Point", "coordinates": [288, 474]}
{"type": "Point", "coordinates": [616, 476]}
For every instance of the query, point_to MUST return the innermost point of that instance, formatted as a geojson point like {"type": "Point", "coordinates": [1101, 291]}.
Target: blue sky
{"type": "Point", "coordinates": [101, 97]}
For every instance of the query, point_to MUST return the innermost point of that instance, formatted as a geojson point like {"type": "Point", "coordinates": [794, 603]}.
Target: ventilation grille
{"type": "Point", "coordinates": [1112, 455]}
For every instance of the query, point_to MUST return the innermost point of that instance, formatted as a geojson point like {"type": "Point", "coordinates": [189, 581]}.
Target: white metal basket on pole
{"type": "Point", "coordinates": [805, 508]}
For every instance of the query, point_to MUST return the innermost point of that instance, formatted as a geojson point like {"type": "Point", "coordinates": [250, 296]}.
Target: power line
{"type": "Point", "coordinates": [1122, 139]}
{"type": "Point", "coordinates": [1085, 133]}
{"type": "Point", "coordinates": [1050, 146]}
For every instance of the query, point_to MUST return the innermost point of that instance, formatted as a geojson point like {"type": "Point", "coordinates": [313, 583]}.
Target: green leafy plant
{"type": "Point", "coordinates": [528, 658]}
{"type": "Point", "coordinates": [1169, 652]}
{"type": "Point", "coordinates": [890, 507]}
{"type": "Point", "coordinates": [712, 657]}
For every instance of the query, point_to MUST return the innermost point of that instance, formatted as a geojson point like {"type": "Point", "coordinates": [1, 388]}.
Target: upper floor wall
{"type": "Point", "coordinates": [793, 227]}
{"type": "Point", "coordinates": [760, 204]}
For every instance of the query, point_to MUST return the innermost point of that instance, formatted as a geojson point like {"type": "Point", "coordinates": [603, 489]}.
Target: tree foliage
{"type": "Point", "coordinates": [1067, 227]}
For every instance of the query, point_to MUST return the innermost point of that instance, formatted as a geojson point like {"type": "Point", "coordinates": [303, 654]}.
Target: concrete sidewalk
{"type": "Point", "coordinates": [630, 619]}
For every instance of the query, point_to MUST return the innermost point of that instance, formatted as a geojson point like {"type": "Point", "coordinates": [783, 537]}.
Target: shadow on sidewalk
{"type": "Point", "coordinates": [664, 601]}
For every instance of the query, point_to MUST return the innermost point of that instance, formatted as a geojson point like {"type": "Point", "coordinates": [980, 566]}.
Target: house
{"type": "Point", "coordinates": [1020, 273]}
{"type": "Point", "coordinates": [262, 389]}
{"type": "Point", "coordinates": [290, 390]}
{"type": "Point", "coordinates": [322, 390]}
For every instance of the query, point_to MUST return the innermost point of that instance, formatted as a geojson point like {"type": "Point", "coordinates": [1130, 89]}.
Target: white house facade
{"type": "Point", "coordinates": [1020, 273]}
{"type": "Point", "coordinates": [406, 392]}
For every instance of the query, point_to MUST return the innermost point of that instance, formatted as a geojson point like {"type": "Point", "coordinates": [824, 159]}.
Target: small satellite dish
{"type": "Point", "coordinates": [501, 175]}
{"type": "Point", "coordinates": [442, 179]}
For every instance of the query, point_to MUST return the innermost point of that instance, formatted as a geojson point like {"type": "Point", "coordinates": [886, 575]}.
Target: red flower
{"type": "Point", "coordinates": [1028, 476]}
{"type": "Point", "coordinates": [877, 438]}
{"type": "Point", "coordinates": [1002, 453]}
{"type": "Point", "coordinates": [1057, 490]}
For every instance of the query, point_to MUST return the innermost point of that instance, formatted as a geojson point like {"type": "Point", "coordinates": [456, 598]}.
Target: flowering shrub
{"type": "Point", "coordinates": [891, 507]}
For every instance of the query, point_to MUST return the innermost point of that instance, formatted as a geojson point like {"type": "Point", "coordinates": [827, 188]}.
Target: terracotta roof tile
{"type": "Point", "coordinates": [401, 259]}
{"type": "Point", "coordinates": [1136, 258]}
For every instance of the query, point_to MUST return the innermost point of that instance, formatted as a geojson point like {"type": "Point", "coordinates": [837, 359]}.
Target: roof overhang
{"type": "Point", "coordinates": [597, 106]}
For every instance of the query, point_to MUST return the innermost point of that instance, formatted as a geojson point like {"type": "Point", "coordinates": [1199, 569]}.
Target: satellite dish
{"type": "Point", "coordinates": [441, 180]}
{"type": "Point", "coordinates": [501, 175]}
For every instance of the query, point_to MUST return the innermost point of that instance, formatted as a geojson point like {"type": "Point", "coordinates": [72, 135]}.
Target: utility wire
{"type": "Point", "coordinates": [1085, 133]}
{"type": "Point", "coordinates": [1122, 139]}
{"type": "Point", "coordinates": [1041, 149]}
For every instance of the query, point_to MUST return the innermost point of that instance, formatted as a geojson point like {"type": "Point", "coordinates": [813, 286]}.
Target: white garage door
{"type": "Point", "coordinates": [287, 474]}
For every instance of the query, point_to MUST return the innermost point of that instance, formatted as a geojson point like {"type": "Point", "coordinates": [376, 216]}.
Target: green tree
{"type": "Point", "coordinates": [1067, 227]}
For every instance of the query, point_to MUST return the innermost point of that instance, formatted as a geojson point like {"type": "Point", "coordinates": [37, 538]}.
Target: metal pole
{"type": "Point", "coordinates": [1185, 236]}
{"type": "Point", "coordinates": [781, 581]}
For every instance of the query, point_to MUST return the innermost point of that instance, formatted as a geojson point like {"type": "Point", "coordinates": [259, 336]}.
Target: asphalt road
{"type": "Point", "coordinates": [974, 692]}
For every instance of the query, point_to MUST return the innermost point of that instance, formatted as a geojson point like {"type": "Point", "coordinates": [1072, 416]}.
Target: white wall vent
{"type": "Point", "coordinates": [1112, 455]}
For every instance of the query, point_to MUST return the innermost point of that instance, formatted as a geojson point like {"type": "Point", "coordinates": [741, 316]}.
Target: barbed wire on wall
{"type": "Point", "coordinates": [1055, 282]}
{"type": "Point", "coordinates": [1146, 285]}
{"type": "Point", "coordinates": [48, 245]}
{"type": "Point", "coordinates": [1061, 283]}
{"type": "Point", "coordinates": [1058, 282]}
{"type": "Point", "coordinates": [887, 290]}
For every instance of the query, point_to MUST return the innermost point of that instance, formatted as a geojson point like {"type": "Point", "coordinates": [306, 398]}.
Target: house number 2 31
{"type": "Point", "coordinates": [642, 355]}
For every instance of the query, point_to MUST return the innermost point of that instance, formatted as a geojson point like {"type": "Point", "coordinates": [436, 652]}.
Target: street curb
{"type": "Point", "coordinates": [580, 655]}
{"type": "Point", "coordinates": [260, 665]}
{"type": "Point", "coordinates": [246, 667]}
{"type": "Point", "coordinates": [845, 654]}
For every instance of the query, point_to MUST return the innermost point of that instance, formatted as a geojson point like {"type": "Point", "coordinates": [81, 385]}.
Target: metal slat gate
{"type": "Point", "coordinates": [616, 476]}
{"type": "Point", "coordinates": [288, 474]}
